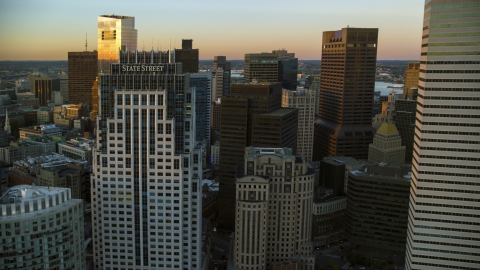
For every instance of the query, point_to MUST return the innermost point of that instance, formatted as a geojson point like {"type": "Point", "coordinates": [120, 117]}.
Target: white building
{"type": "Point", "coordinates": [444, 211]}
{"type": "Point", "coordinates": [273, 214]}
{"type": "Point", "coordinates": [305, 101]}
{"type": "Point", "coordinates": [146, 189]}
{"type": "Point", "coordinates": [78, 148]}
{"type": "Point", "coordinates": [41, 228]}
{"type": "Point", "coordinates": [215, 150]}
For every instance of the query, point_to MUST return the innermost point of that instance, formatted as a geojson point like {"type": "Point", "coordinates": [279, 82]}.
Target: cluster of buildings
{"type": "Point", "coordinates": [296, 169]}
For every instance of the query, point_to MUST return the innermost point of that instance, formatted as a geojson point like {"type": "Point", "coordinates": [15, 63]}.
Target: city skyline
{"type": "Point", "coordinates": [49, 30]}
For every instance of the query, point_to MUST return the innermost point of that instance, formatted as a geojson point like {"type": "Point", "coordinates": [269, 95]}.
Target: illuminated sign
{"type": "Point", "coordinates": [142, 68]}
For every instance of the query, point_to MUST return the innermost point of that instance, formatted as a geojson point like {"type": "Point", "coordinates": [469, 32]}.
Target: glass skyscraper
{"type": "Point", "coordinates": [147, 167]}
{"type": "Point", "coordinates": [115, 32]}
{"type": "Point", "coordinates": [444, 211]}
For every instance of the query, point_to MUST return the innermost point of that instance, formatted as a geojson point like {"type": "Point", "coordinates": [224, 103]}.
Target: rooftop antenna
{"type": "Point", "coordinates": [143, 48]}
{"type": "Point", "coordinates": [86, 42]}
{"type": "Point", "coordinates": [152, 44]}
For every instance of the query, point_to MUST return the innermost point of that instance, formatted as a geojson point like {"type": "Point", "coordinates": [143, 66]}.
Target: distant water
{"type": "Point", "coordinates": [384, 91]}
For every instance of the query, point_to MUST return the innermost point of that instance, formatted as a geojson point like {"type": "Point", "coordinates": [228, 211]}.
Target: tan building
{"type": "Point", "coordinates": [411, 79]}
{"type": "Point", "coordinates": [50, 130]}
{"type": "Point", "coordinates": [274, 197]}
{"type": "Point", "coordinates": [387, 146]}
{"type": "Point", "coordinates": [305, 101]}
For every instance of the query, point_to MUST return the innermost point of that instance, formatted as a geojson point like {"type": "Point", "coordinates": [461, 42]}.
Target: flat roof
{"type": "Point", "coordinates": [24, 193]}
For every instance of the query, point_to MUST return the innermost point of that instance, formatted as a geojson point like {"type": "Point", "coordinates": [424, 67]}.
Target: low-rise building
{"type": "Point", "coordinates": [78, 148]}
{"type": "Point", "coordinates": [50, 130]}
{"type": "Point", "coordinates": [46, 143]}
{"type": "Point", "coordinates": [19, 150]}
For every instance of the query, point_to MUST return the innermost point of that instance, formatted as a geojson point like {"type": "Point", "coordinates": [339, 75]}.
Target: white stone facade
{"type": "Point", "coordinates": [274, 204]}
{"type": "Point", "coordinates": [41, 228]}
{"type": "Point", "coordinates": [305, 101]}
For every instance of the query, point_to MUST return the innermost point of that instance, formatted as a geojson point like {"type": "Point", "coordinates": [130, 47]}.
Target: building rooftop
{"type": "Point", "coordinates": [24, 193]}
{"type": "Point", "coordinates": [113, 16]}
{"type": "Point", "coordinates": [387, 128]}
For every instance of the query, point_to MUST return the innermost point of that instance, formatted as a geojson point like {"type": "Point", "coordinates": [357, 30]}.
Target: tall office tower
{"type": "Point", "coordinates": [289, 67]}
{"type": "Point", "coordinates": [252, 114]}
{"type": "Point", "coordinates": [273, 213]}
{"type": "Point", "coordinates": [42, 228]}
{"type": "Point", "coordinates": [146, 192]}
{"type": "Point", "coordinates": [347, 83]}
{"type": "Point", "coordinates": [115, 32]}
{"type": "Point", "coordinates": [444, 207]}
{"type": "Point", "coordinates": [387, 146]}
{"type": "Point", "coordinates": [187, 56]}
{"type": "Point", "coordinates": [377, 207]}
{"type": "Point", "coordinates": [202, 83]}
{"type": "Point", "coordinates": [278, 66]}
{"type": "Point", "coordinates": [82, 73]}
{"type": "Point", "coordinates": [305, 102]}
{"type": "Point", "coordinates": [44, 87]}
{"type": "Point", "coordinates": [411, 79]}
{"type": "Point", "coordinates": [221, 76]}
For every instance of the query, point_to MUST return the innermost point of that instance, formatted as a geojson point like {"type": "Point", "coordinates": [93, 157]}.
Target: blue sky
{"type": "Point", "coordinates": [49, 29]}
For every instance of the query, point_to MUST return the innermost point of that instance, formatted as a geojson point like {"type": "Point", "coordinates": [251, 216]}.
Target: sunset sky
{"type": "Point", "coordinates": [49, 29]}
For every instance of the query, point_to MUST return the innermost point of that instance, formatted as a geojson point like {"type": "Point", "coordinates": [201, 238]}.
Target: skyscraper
{"type": "Point", "coordinates": [82, 73]}
{"type": "Point", "coordinates": [202, 83]}
{"type": "Point", "coordinates": [115, 32]}
{"type": "Point", "coordinates": [187, 55]}
{"type": "Point", "coordinates": [146, 190]}
{"type": "Point", "coordinates": [411, 80]}
{"type": "Point", "coordinates": [44, 87]}
{"type": "Point", "coordinates": [289, 67]}
{"type": "Point", "coordinates": [221, 75]}
{"type": "Point", "coordinates": [305, 101]}
{"type": "Point", "coordinates": [251, 116]}
{"type": "Point", "coordinates": [347, 82]}
{"type": "Point", "coordinates": [277, 66]}
{"type": "Point", "coordinates": [444, 211]}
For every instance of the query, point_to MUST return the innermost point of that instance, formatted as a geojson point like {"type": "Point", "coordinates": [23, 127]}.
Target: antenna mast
{"type": "Point", "coordinates": [86, 42]}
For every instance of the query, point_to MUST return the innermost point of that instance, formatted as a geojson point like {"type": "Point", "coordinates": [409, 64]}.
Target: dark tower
{"type": "Point", "coordinates": [82, 73]}
{"type": "Point", "coordinates": [347, 83]}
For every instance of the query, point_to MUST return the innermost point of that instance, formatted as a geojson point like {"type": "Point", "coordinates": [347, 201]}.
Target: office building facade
{"type": "Point", "coordinates": [277, 66]}
{"type": "Point", "coordinates": [203, 84]}
{"type": "Point", "coordinates": [187, 56]}
{"type": "Point", "coordinates": [274, 190]}
{"type": "Point", "coordinates": [305, 101]}
{"type": "Point", "coordinates": [347, 82]}
{"type": "Point", "coordinates": [245, 118]}
{"type": "Point", "coordinates": [42, 228]}
{"type": "Point", "coordinates": [444, 212]}
{"type": "Point", "coordinates": [44, 87]}
{"type": "Point", "coordinates": [377, 207]}
{"type": "Point", "coordinates": [411, 80]}
{"type": "Point", "coordinates": [147, 168]}
{"type": "Point", "coordinates": [82, 73]}
{"type": "Point", "coordinates": [387, 146]}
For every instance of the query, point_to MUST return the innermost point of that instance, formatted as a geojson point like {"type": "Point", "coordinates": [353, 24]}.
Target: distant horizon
{"type": "Point", "coordinates": [31, 60]}
{"type": "Point", "coordinates": [47, 30]}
